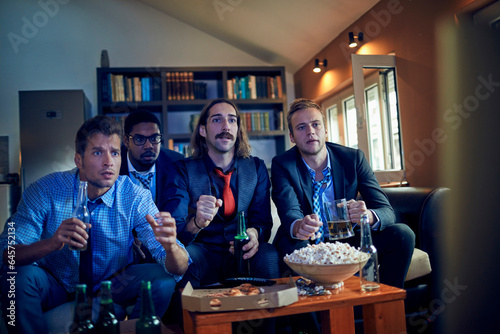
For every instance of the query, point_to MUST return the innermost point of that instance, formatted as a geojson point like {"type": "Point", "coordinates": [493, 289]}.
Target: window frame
{"type": "Point", "coordinates": [359, 63]}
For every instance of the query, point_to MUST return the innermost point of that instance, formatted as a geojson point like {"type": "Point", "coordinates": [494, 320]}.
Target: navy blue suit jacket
{"type": "Point", "coordinates": [292, 186]}
{"type": "Point", "coordinates": [164, 167]}
{"type": "Point", "coordinates": [192, 179]}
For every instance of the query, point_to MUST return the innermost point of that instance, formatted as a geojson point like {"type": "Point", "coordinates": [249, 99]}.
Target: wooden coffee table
{"type": "Point", "coordinates": [383, 311]}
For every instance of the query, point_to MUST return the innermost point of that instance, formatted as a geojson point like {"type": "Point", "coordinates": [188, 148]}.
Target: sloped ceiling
{"type": "Point", "coordinates": [279, 32]}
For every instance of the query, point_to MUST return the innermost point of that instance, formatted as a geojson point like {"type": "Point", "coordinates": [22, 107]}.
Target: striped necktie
{"type": "Point", "coordinates": [144, 178]}
{"type": "Point", "coordinates": [318, 190]}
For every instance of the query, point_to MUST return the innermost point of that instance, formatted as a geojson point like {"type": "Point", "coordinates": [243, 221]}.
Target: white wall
{"type": "Point", "coordinates": [56, 44]}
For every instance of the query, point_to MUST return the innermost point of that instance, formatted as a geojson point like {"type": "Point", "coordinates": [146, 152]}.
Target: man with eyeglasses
{"type": "Point", "coordinates": [44, 266]}
{"type": "Point", "coordinates": [144, 160]}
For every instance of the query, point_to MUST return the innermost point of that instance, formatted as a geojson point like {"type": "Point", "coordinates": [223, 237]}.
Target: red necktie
{"type": "Point", "coordinates": [227, 194]}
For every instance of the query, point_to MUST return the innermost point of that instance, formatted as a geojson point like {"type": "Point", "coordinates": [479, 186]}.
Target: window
{"type": "Point", "coordinates": [392, 112]}
{"type": "Point", "coordinates": [370, 120]}
{"type": "Point", "coordinates": [333, 125]}
{"type": "Point", "coordinates": [350, 122]}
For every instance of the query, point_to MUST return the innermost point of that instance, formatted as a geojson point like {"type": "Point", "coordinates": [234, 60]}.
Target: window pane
{"type": "Point", "coordinates": [392, 106]}
{"type": "Point", "coordinates": [375, 136]}
{"type": "Point", "coordinates": [333, 124]}
{"type": "Point", "coordinates": [350, 123]}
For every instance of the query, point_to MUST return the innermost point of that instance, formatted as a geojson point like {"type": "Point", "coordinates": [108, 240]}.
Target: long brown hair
{"type": "Point", "coordinates": [198, 144]}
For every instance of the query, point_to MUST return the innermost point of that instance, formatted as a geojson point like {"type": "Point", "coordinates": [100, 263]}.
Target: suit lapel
{"type": "Point", "coordinates": [247, 181]}
{"type": "Point", "coordinates": [337, 175]}
{"type": "Point", "coordinates": [163, 166]}
{"type": "Point", "coordinates": [305, 179]}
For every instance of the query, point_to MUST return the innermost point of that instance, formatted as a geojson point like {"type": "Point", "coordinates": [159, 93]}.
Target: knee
{"type": "Point", "coordinates": [163, 286]}
{"type": "Point", "coordinates": [266, 262]}
{"type": "Point", "coordinates": [403, 236]}
{"type": "Point", "coordinates": [162, 290]}
{"type": "Point", "coordinates": [26, 276]}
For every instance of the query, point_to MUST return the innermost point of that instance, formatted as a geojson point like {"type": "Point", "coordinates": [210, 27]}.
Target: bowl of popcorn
{"type": "Point", "coordinates": [327, 264]}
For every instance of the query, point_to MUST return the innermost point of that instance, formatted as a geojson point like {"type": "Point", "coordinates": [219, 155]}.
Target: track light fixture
{"type": "Point", "coordinates": [353, 38]}
{"type": "Point", "coordinates": [317, 65]}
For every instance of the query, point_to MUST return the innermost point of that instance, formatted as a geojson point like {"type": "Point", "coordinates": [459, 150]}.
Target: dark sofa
{"type": "Point", "coordinates": [422, 210]}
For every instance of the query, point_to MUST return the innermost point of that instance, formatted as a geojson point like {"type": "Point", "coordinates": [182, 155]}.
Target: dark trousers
{"type": "Point", "coordinates": [38, 291]}
{"type": "Point", "coordinates": [394, 245]}
{"type": "Point", "coordinates": [213, 264]}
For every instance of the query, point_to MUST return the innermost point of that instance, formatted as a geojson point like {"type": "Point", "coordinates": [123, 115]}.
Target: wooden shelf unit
{"type": "Point", "coordinates": [176, 94]}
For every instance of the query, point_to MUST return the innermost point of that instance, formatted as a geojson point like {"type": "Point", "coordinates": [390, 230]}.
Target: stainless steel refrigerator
{"type": "Point", "coordinates": [49, 120]}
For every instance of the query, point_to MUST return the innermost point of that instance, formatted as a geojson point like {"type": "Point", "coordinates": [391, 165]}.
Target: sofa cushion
{"type": "Point", "coordinates": [420, 265]}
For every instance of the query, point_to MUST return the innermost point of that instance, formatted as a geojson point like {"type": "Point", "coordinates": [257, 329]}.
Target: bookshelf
{"type": "Point", "coordinates": [177, 95]}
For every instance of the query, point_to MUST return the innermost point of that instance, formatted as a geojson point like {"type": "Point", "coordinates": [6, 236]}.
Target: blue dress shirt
{"type": "Point", "coordinates": [50, 200]}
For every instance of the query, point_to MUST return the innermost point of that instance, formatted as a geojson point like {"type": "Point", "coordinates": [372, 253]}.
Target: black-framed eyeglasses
{"type": "Point", "coordinates": [141, 140]}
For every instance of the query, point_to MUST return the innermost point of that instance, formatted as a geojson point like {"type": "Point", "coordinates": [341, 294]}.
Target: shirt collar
{"type": "Point", "coordinates": [107, 198]}
{"type": "Point", "coordinates": [211, 166]}
{"type": "Point", "coordinates": [313, 172]}
{"type": "Point", "coordinates": [131, 167]}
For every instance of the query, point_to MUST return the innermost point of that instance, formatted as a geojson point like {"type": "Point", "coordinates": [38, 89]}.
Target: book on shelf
{"type": "Point", "coordinates": [137, 89]}
{"type": "Point", "coordinates": [200, 90]}
{"type": "Point", "coordinates": [248, 117]}
{"type": "Point", "coordinates": [279, 87]}
{"type": "Point", "coordinates": [181, 86]}
{"type": "Point", "coordinates": [190, 86]}
{"type": "Point", "coordinates": [244, 88]}
{"type": "Point", "coordinates": [243, 121]}
{"type": "Point", "coordinates": [265, 121]}
{"type": "Point", "coordinates": [145, 90]}
{"type": "Point", "coordinates": [230, 89]}
{"type": "Point", "coordinates": [254, 87]}
{"type": "Point", "coordinates": [177, 86]}
{"type": "Point", "coordinates": [279, 121]}
{"type": "Point", "coordinates": [257, 121]}
{"type": "Point", "coordinates": [182, 149]}
{"type": "Point", "coordinates": [270, 88]}
{"type": "Point", "coordinates": [121, 88]}
{"type": "Point", "coordinates": [169, 80]}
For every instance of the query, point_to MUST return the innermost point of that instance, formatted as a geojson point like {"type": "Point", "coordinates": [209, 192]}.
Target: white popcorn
{"type": "Point", "coordinates": [326, 253]}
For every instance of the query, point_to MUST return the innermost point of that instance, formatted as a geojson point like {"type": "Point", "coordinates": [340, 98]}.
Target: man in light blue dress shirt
{"type": "Point", "coordinates": [46, 271]}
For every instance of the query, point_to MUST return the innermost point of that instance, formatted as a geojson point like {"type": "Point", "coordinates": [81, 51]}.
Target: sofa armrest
{"type": "Point", "coordinates": [431, 225]}
{"type": "Point", "coordinates": [421, 209]}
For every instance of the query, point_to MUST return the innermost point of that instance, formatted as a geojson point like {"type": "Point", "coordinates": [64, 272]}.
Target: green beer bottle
{"type": "Point", "coordinates": [148, 322]}
{"type": "Point", "coordinates": [241, 239]}
{"type": "Point", "coordinates": [82, 319]}
{"type": "Point", "coordinates": [107, 322]}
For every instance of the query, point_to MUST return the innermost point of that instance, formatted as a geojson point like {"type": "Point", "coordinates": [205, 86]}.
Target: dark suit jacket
{"type": "Point", "coordinates": [164, 167]}
{"type": "Point", "coordinates": [191, 180]}
{"type": "Point", "coordinates": [292, 186]}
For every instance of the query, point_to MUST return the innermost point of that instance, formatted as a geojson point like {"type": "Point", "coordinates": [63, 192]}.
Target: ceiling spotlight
{"type": "Point", "coordinates": [317, 65]}
{"type": "Point", "coordinates": [353, 38]}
